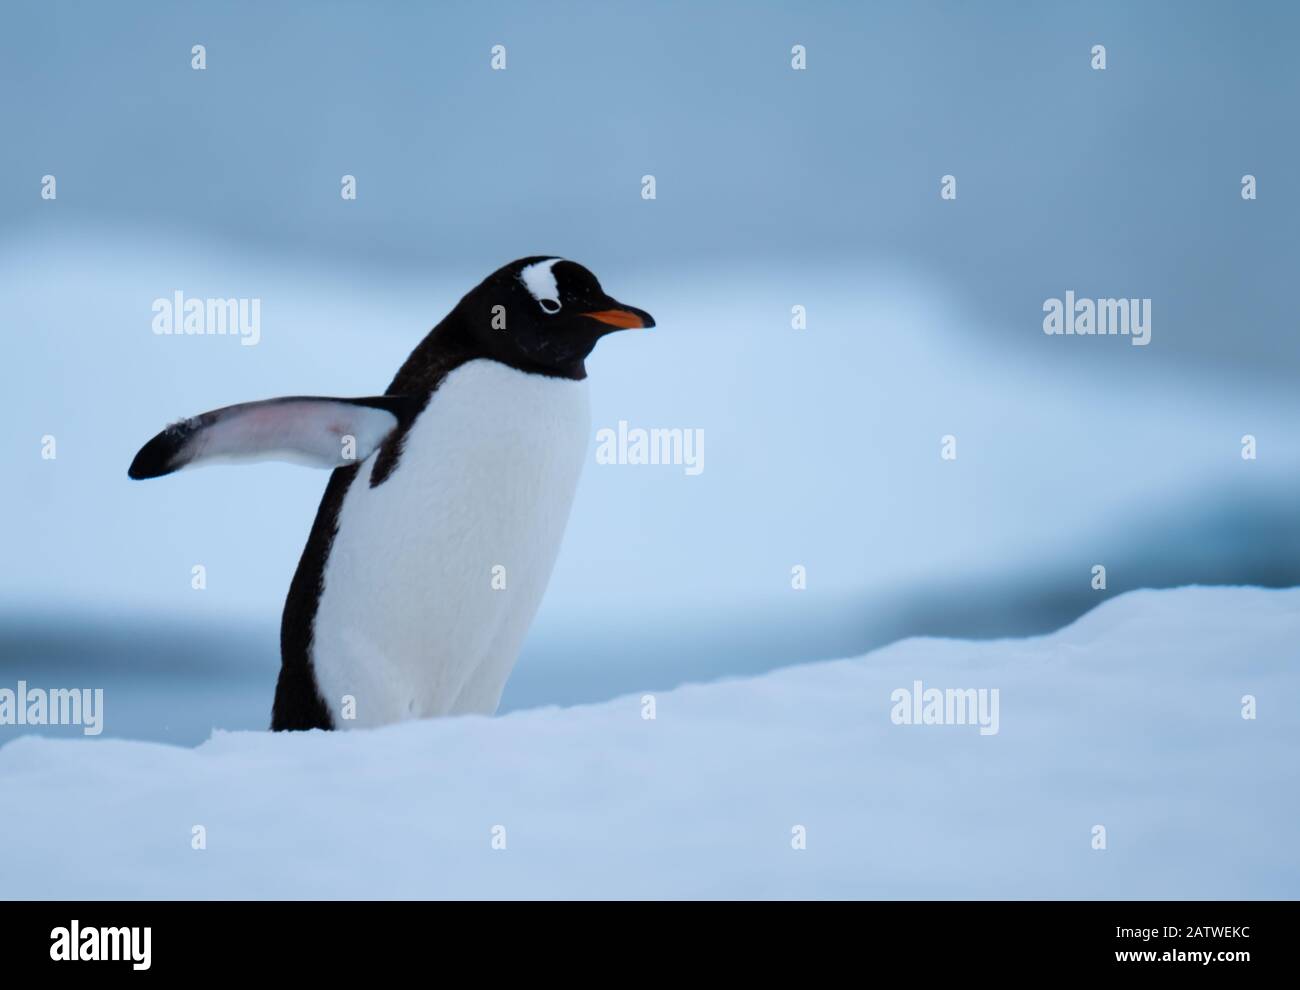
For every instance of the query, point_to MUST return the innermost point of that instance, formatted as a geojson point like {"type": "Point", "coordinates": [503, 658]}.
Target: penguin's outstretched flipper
{"type": "Point", "coordinates": [314, 430]}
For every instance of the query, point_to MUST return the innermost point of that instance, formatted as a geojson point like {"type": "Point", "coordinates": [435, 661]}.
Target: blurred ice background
{"type": "Point", "coordinates": [775, 188]}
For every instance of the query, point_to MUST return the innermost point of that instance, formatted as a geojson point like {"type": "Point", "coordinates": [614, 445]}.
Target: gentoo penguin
{"type": "Point", "coordinates": [441, 521]}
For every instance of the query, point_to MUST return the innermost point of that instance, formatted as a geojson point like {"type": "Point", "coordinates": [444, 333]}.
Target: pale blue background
{"type": "Point", "coordinates": [775, 187]}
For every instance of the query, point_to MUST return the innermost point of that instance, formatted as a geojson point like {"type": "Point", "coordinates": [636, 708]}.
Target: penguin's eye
{"type": "Point", "coordinates": [551, 306]}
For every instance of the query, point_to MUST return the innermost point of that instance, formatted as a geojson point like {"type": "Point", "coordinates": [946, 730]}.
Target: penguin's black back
{"type": "Point", "coordinates": [298, 704]}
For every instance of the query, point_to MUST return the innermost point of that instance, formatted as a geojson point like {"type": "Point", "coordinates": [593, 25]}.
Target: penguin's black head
{"type": "Point", "coordinates": [544, 314]}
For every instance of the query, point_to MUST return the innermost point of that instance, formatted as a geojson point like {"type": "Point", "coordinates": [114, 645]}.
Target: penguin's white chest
{"type": "Point", "coordinates": [435, 575]}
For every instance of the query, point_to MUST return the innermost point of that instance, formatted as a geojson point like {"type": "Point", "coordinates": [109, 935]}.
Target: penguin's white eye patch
{"type": "Point", "coordinates": [539, 280]}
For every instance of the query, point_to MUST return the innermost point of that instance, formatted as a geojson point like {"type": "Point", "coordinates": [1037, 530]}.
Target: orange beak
{"type": "Point", "coordinates": [624, 319]}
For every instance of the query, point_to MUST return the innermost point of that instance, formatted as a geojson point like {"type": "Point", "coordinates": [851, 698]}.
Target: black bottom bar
{"type": "Point", "coordinates": [1229, 940]}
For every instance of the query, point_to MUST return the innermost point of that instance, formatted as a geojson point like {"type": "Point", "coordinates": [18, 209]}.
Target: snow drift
{"type": "Point", "coordinates": [1130, 719]}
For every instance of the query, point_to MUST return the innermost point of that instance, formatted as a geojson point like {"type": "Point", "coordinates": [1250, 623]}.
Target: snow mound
{"type": "Point", "coordinates": [1130, 719]}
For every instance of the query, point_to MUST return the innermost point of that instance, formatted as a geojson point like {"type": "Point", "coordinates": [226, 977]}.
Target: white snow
{"type": "Point", "coordinates": [1130, 718]}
